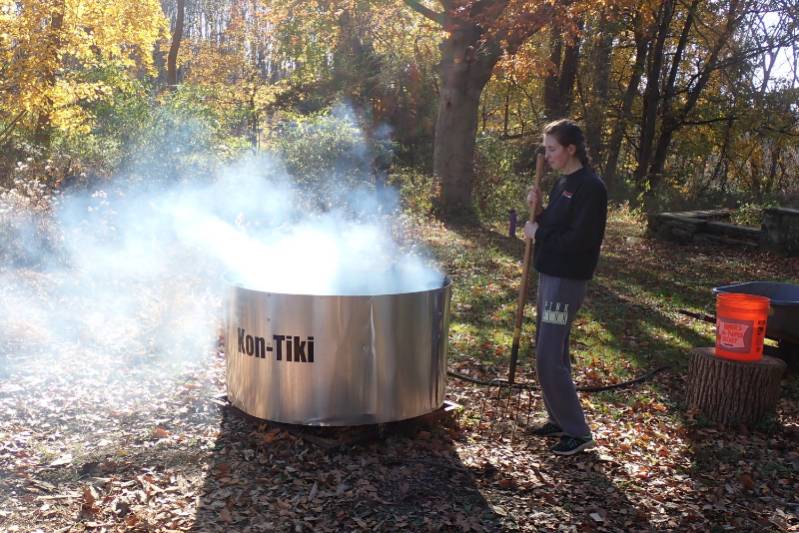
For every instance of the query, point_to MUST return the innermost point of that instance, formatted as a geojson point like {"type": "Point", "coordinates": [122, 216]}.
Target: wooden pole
{"type": "Point", "coordinates": [528, 254]}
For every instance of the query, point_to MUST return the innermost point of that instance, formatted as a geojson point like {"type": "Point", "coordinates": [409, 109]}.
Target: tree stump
{"type": "Point", "coordinates": [733, 392]}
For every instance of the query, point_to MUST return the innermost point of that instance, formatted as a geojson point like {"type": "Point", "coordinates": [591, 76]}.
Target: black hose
{"type": "Point", "coordinates": [532, 386]}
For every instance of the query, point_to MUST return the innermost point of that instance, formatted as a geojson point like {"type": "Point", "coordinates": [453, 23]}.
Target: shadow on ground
{"type": "Point", "coordinates": [537, 490]}
{"type": "Point", "coordinates": [403, 476]}
{"type": "Point", "coordinates": [684, 471]}
{"type": "Point", "coordinates": [412, 476]}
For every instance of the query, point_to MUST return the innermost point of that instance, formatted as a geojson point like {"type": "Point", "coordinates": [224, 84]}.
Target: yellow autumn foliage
{"type": "Point", "coordinates": [45, 46]}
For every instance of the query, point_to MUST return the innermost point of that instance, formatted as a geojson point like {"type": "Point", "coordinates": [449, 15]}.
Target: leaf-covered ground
{"type": "Point", "coordinates": [143, 444]}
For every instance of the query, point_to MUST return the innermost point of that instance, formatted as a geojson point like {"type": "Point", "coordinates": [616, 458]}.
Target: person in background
{"type": "Point", "coordinates": [568, 234]}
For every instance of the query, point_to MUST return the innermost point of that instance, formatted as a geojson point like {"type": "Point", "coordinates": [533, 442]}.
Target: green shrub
{"type": "Point", "coordinates": [416, 188]}
{"type": "Point", "coordinates": [751, 213]}
{"type": "Point", "coordinates": [327, 153]}
{"type": "Point", "coordinates": [498, 187]}
{"type": "Point", "coordinates": [27, 233]}
{"type": "Point", "coordinates": [182, 137]}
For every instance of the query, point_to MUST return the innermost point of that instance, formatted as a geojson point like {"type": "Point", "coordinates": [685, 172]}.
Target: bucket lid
{"type": "Point", "coordinates": [739, 298]}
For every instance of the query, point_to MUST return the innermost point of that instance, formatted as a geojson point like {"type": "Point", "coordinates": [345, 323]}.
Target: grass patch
{"type": "Point", "coordinates": [630, 320]}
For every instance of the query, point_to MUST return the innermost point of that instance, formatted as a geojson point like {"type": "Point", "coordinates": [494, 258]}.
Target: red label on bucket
{"type": "Point", "coordinates": [734, 335]}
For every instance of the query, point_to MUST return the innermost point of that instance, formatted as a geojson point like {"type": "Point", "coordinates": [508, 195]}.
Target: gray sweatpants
{"type": "Point", "coordinates": [558, 301]}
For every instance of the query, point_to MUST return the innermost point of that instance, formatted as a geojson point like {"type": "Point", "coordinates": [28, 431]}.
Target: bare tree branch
{"type": "Point", "coordinates": [709, 121]}
{"type": "Point", "coordinates": [8, 129]}
{"type": "Point", "coordinates": [435, 16]}
{"type": "Point", "coordinates": [533, 22]}
{"type": "Point", "coordinates": [495, 7]}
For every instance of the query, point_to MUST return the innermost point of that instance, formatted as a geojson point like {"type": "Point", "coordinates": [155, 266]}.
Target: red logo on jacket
{"type": "Point", "coordinates": [567, 194]}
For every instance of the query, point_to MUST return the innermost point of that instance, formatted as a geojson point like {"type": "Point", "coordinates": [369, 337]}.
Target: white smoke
{"type": "Point", "coordinates": [275, 243]}
{"type": "Point", "coordinates": [137, 275]}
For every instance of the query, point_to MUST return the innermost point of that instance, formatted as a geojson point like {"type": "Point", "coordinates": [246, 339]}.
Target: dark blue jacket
{"type": "Point", "coordinates": [571, 228]}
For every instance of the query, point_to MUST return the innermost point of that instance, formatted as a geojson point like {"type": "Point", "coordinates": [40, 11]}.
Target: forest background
{"type": "Point", "coordinates": [116, 118]}
{"type": "Point", "coordinates": [689, 103]}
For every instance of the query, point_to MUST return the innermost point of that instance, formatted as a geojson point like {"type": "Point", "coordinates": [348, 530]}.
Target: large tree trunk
{"type": "Point", "coordinates": [614, 145]}
{"type": "Point", "coordinates": [669, 122]}
{"type": "Point", "coordinates": [54, 36]}
{"type": "Point", "coordinates": [674, 120]}
{"type": "Point", "coordinates": [568, 73]}
{"type": "Point", "coordinates": [559, 85]}
{"type": "Point", "coordinates": [652, 94]}
{"type": "Point", "coordinates": [733, 392]}
{"type": "Point", "coordinates": [468, 56]}
{"type": "Point", "coordinates": [600, 74]}
{"type": "Point", "coordinates": [551, 96]}
{"type": "Point", "coordinates": [172, 58]}
{"type": "Point", "coordinates": [465, 70]}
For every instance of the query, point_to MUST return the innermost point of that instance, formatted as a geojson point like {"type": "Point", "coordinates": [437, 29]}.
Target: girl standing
{"type": "Point", "coordinates": [568, 234]}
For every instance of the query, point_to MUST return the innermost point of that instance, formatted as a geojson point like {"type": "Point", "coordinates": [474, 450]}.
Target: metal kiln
{"type": "Point", "coordinates": [337, 360]}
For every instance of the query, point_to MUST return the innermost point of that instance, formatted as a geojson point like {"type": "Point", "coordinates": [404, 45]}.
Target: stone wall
{"type": "Point", "coordinates": [779, 230]}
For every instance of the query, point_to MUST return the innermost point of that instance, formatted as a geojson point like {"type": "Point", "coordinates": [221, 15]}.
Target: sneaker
{"type": "Point", "coordinates": [571, 445]}
{"type": "Point", "coordinates": [547, 429]}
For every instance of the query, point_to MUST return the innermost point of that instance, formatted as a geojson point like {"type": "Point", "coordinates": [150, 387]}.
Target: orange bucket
{"type": "Point", "coordinates": [740, 325]}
